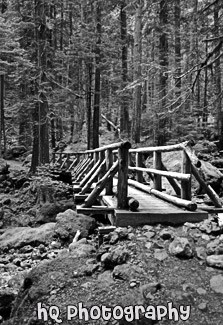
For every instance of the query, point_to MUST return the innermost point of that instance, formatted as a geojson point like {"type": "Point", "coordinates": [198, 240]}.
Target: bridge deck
{"type": "Point", "coordinates": [151, 210]}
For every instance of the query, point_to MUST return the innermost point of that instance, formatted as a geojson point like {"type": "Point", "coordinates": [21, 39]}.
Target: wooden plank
{"type": "Point", "coordinates": [106, 229]}
{"type": "Point", "coordinates": [95, 210]}
{"type": "Point", "coordinates": [80, 197]}
{"type": "Point", "coordinates": [172, 199]}
{"type": "Point", "coordinates": [210, 209]}
{"type": "Point", "coordinates": [76, 189]}
{"type": "Point", "coordinates": [125, 218]}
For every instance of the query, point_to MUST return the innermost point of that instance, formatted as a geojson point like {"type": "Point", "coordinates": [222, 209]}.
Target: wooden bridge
{"type": "Point", "coordinates": [102, 185]}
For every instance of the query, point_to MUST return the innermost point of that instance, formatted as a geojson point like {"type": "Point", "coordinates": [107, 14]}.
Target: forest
{"type": "Point", "coordinates": [151, 68]}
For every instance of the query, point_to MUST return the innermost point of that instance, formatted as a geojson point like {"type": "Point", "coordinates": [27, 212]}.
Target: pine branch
{"type": "Point", "coordinates": [209, 5]}
{"type": "Point", "coordinates": [212, 39]}
{"type": "Point", "coordinates": [65, 88]}
{"type": "Point", "coordinates": [205, 62]}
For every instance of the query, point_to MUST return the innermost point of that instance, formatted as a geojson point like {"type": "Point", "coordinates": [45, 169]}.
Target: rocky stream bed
{"type": "Point", "coordinates": [144, 275]}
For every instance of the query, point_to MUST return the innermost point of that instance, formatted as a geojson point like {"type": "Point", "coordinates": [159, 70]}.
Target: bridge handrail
{"type": "Point", "coordinates": [112, 146]}
{"type": "Point", "coordinates": [174, 147]}
{"type": "Point", "coordinates": [122, 151]}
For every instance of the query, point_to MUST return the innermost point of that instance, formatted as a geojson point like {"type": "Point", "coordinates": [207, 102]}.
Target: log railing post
{"type": "Point", "coordinates": [114, 156]}
{"type": "Point", "coordinates": [96, 157]}
{"type": "Point", "coordinates": [101, 158]}
{"type": "Point", "coordinates": [186, 185]}
{"type": "Point", "coordinates": [139, 174]}
{"type": "Point", "coordinates": [109, 163]}
{"type": "Point", "coordinates": [68, 161]}
{"type": "Point", "coordinates": [157, 164]}
{"type": "Point", "coordinates": [123, 157]}
{"type": "Point", "coordinates": [61, 156]}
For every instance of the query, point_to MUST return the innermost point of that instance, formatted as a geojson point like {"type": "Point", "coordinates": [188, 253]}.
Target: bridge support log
{"type": "Point", "coordinates": [101, 185]}
{"type": "Point", "coordinates": [172, 182]}
{"type": "Point", "coordinates": [207, 188]}
{"type": "Point", "coordinates": [88, 176]}
{"type": "Point", "coordinates": [80, 166]}
{"type": "Point", "coordinates": [85, 170]}
{"type": "Point", "coordinates": [72, 164]}
{"type": "Point", "coordinates": [93, 177]}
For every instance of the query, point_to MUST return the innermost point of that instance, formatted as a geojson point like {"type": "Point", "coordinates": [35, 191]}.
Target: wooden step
{"type": "Point", "coordinates": [76, 188]}
{"type": "Point", "coordinates": [95, 210]}
{"type": "Point", "coordinates": [82, 197]}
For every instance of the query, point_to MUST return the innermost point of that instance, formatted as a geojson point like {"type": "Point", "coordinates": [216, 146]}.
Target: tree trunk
{"type": "Point", "coordinates": [218, 86]}
{"type": "Point", "coordinates": [204, 113]}
{"type": "Point", "coordinates": [40, 152]}
{"type": "Point", "coordinates": [53, 135]}
{"type": "Point", "coordinates": [124, 113]}
{"type": "Point", "coordinates": [2, 79]}
{"type": "Point", "coordinates": [136, 121]}
{"type": "Point", "coordinates": [88, 104]}
{"type": "Point", "coordinates": [97, 89]}
{"type": "Point", "coordinates": [163, 58]}
{"type": "Point", "coordinates": [177, 16]}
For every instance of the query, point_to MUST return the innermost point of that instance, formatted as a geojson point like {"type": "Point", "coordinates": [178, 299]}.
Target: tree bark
{"type": "Point", "coordinates": [124, 113]}
{"type": "Point", "coordinates": [136, 121]}
{"type": "Point", "coordinates": [1, 108]}
{"type": "Point", "coordinates": [177, 17]}
{"type": "Point", "coordinates": [40, 152]}
{"type": "Point", "coordinates": [163, 58]}
{"type": "Point", "coordinates": [218, 86]}
{"type": "Point", "coordinates": [97, 89]}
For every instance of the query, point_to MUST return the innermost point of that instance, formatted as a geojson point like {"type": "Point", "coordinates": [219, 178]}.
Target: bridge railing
{"type": "Point", "coordinates": [98, 165]}
{"type": "Point", "coordinates": [159, 170]}
{"type": "Point", "coordinates": [102, 164]}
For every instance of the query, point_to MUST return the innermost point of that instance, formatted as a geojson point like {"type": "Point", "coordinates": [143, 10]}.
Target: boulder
{"type": "Point", "coordinates": [16, 151]}
{"type": "Point", "coordinates": [181, 247]}
{"type": "Point", "coordinates": [127, 272]}
{"type": "Point", "coordinates": [216, 283]}
{"type": "Point", "coordinates": [69, 222]}
{"type": "Point", "coordinates": [208, 172]}
{"type": "Point", "coordinates": [81, 248]}
{"type": "Point", "coordinates": [22, 236]}
{"type": "Point", "coordinates": [215, 261]}
{"type": "Point", "coordinates": [115, 257]}
{"type": "Point", "coordinates": [49, 211]}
